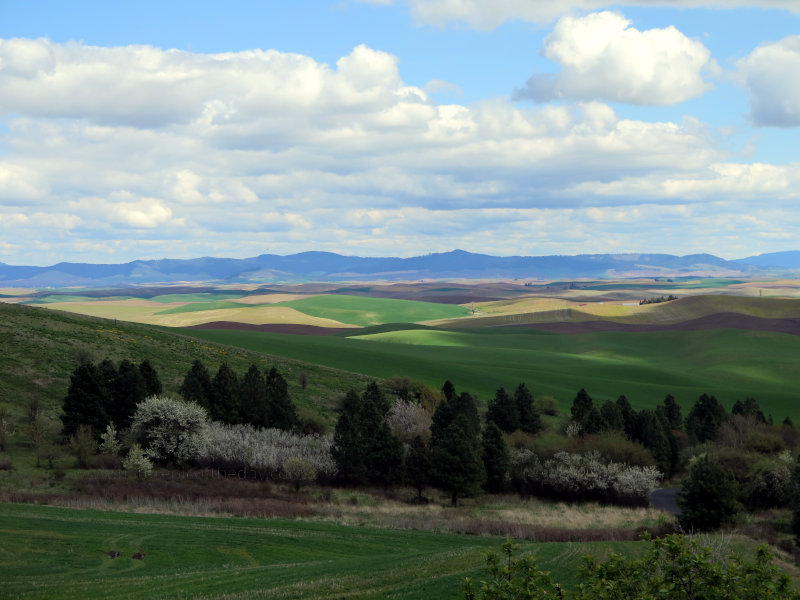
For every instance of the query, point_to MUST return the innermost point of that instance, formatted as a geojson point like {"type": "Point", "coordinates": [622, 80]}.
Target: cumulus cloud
{"type": "Point", "coordinates": [260, 151]}
{"type": "Point", "coordinates": [489, 14]}
{"type": "Point", "coordinates": [602, 56]}
{"type": "Point", "coordinates": [770, 73]}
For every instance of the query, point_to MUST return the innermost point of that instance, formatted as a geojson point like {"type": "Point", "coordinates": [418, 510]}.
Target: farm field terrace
{"type": "Point", "coordinates": [58, 552]}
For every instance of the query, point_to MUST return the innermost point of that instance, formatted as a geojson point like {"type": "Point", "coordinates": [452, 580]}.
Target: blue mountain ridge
{"type": "Point", "coordinates": [329, 266]}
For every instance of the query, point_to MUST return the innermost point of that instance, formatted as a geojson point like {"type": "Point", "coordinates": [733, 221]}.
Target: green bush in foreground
{"type": "Point", "coordinates": [673, 568]}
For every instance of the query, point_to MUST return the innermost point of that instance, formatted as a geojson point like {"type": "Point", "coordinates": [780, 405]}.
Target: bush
{"type": "Point", "coordinates": [614, 447]}
{"type": "Point", "coordinates": [83, 445]}
{"type": "Point", "coordinates": [672, 568]}
{"type": "Point", "coordinates": [109, 444]}
{"type": "Point", "coordinates": [137, 463]}
{"type": "Point", "coordinates": [547, 405]}
{"type": "Point", "coordinates": [264, 452]}
{"type": "Point", "coordinates": [708, 499]}
{"type": "Point", "coordinates": [582, 477]}
{"type": "Point", "coordinates": [299, 471]}
{"type": "Point", "coordinates": [170, 430]}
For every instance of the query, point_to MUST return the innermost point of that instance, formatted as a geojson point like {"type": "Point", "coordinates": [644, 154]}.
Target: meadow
{"type": "Point", "coordinates": [59, 552]}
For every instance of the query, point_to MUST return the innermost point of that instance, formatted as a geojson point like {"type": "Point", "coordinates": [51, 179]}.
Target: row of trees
{"type": "Point", "coordinates": [99, 394]}
{"type": "Point", "coordinates": [260, 399]}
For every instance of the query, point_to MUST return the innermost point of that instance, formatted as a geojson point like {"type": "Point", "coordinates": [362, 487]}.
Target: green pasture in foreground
{"type": "Point", "coordinates": [363, 311]}
{"type": "Point", "coordinates": [645, 366]}
{"type": "Point", "coordinates": [50, 552]}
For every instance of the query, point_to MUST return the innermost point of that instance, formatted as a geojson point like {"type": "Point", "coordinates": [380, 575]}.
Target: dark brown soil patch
{"type": "Point", "coordinates": [290, 328]}
{"type": "Point", "coordinates": [724, 320]}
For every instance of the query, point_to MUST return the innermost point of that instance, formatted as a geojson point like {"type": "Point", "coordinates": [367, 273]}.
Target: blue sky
{"type": "Point", "coordinates": [184, 129]}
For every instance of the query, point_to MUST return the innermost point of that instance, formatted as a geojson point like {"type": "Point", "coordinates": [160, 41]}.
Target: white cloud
{"type": "Point", "coordinates": [145, 213]}
{"type": "Point", "coordinates": [489, 14]}
{"type": "Point", "coordinates": [274, 152]}
{"type": "Point", "coordinates": [771, 73]}
{"type": "Point", "coordinates": [602, 56]}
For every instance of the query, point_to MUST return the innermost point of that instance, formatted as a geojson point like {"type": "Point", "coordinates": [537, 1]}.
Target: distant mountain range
{"type": "Point", "coordinates": [458, 264]}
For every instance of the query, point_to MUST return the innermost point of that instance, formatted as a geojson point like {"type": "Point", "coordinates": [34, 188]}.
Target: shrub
{"type": "Point", "coordinates": [264, 452]}
{"type": "Point", "coordinates": [299, 471]}
{"type": "Point", "coordinates": [109, 444]}
{"type": "Point", "coordinates": [407, 420]}
{"type": "Point", "coordinates": [83, 445]}
{"type": "Point", "coordinates": [170, 430]}
{"type": "Point", "coordinates": [770, 482]}
{"type": "Point", "coordinates": [547, 405]}
{"type": "Point", "coordinates": [708, 499]}
{"type": "Point", "coordinates": [613, 446]}
{"type": "Point", "coordinates": [582, 477]}
{"type": "Point", "coordinates": [137, 463]}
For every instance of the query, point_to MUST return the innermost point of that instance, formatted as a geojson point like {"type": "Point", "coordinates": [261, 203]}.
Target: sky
{"type": "Point", "coordinates": [151, 129]}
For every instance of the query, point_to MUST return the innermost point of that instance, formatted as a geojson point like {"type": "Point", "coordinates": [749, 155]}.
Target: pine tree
{"type": "Point", "coordinates": [705, 419]}
{"type": "Point", "coordinates": [196, 386]}
{"type": "Point", "coordinates": [152, 384]}
{"type": "Point", "coordinates": [225, 395]}
{"type": "Point", "coordinates": [455, 447]}
{"type": "Point", "coordinates": [503, 411]}
{"type": "Point", "coordinates": [613, 420]}
{"type": "Point", "coordinates": [384, 451]}
{"type": "Point", "coordinates": [593, 422]}
{"type": "Point", "coordinates": [129, 391]}
{"type": "Point", "coordinates": [529, 418]}
{"type": "Point", "coordinates": [253, 398]}
{"type": "Point", "coordinates": [281, 412]}
{"type": "Point", "coordinates": [628, 417]}
{"type": "Point", "coordinates": [581, 406]}
{"type": "Point", "coordinates": [495, 458]}
{"type": "Point", "coordinates": [672, 411]}
{"type": "Point", "coordinates": [349, 448]}
{"type": "Point", "coordinates": [749, 408]}
{"type": "Point", "coordinates": [652, 436]}
{"type": "Point", "coordinates": [85, 401]}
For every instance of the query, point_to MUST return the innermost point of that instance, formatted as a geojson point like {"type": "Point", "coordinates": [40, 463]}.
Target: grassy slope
{"type": "Point", "coordinates": [40, 346]}
{"type": "Point", "coordinates": [363, 311]}
{"type": "Point", "coordinates": [731, 364]}
{"type": "Point", "coordinates": [56, 552]}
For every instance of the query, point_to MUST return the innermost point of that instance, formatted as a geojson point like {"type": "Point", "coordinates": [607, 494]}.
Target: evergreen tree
{"type": "Point", "coordinates": [108, 375]}
{"type": "Point", "coordinates": [495, 458]}
{"type": "Point", "coordinates": [281, 412]}
{"type": "Point", "coordinates": [652, 436]}
{"type": "Point", "coordinates": [705, 419]}
{"type": "Point", "coordinates": [448, 390]}
{"type": "Point", "coordinates": [225, 395]}
{"type": "Point", "coordinates": [628, 417]}
{"type": "Point", "coordinates": [384, 450]}
{"type": "Point", "coordinates": [85, 401]}
{"type": "Point", "coordinates": [253, 398]}
{"type": "Point", "coordinates": [128, 392]}
{"type": "Point", "coordinates": [349, 448]}
{"type": "Point", "coordinates": [593, 422]}
{"type": "Point", "coordinates": [196, 386]}
{"type": "Point", "coordinates": [581, 406]}
{"type": "Point", "coordinates": [152, 384]}
{"type": "Point", "coordinates": [612, 417]}
{"type": "Point", "coordinates": [529, 418]}
{"type": "Point", "coordinates": [455, 447]}
{"type": "Point", "coordinates": [503, 411]}
{"type": "Point", "coordinates": [749, 408]}
{"type": "Point", "coordinates": [672, 411]}
{"type": "Point", "coordinates": [418, 465]}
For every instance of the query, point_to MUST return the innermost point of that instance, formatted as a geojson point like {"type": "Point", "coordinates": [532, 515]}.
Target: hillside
{"type": "Point", "coordinates": [40, 349]}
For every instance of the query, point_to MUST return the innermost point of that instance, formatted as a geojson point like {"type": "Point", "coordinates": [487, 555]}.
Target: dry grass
{"type": "Point", "coordinates": [207, 494]}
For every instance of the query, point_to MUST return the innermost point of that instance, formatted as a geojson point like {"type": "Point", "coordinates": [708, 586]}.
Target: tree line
{"type": "Point", "coordinates": [102, 393]}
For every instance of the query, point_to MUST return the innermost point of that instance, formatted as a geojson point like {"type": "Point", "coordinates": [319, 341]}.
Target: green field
{"type": "Point", "coordinates": [731, 364]}
{"type": "Point", "coordinates": [50, 552]}
{"type": "Point", "coordinates": [362, 311]}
